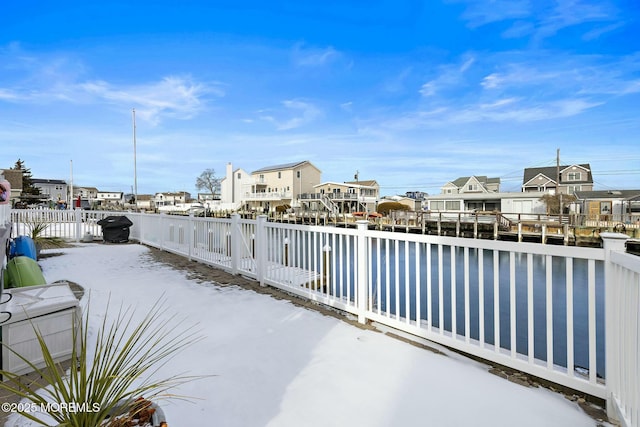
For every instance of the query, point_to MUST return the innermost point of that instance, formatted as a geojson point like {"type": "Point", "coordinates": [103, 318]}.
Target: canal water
{"type": "Point", "coordinates": [394, 283]}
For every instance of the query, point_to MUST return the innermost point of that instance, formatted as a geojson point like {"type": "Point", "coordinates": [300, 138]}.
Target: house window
{"type": "Point", "coordinates": [453, 205]}
{"type": "Point", "coordinates": [437, 205]}
{"type": "Point", "coordinates": [573, 188]}
{"type": "Point", "coordinates": [279, 175]}
{"type": "Point", "coordinates": [298, 174]}
{"type": "Point", "coordinates": [239, 175]}
{"type": "Point", "coordinates": [574, 176]}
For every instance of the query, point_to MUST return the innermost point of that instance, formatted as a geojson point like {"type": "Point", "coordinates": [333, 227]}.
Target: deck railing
{"type": "Point", "coordinates": [569, 315]}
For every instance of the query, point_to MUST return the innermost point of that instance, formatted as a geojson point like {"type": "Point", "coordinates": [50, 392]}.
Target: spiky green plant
{"type": "Point", "coordinates": [37, 230]}
{"type": "Point", "coordinates": [127, 356]}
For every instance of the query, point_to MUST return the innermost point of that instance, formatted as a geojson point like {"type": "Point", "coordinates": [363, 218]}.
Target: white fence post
{"type": "Point", "coordinates": [361, 268]}
{"type": "Point", "coordinates": [189, 232]}
{"type": "Point", "coordinates": [261, 249]}
{"type": "Point", "coordinates": [161, 231]}
{"type": "Point", "coordinates": [78, 214]}
{"type": "Point", "coordinates": [236, 241]}
{"type": "Point", "coordinates": [611, 242]}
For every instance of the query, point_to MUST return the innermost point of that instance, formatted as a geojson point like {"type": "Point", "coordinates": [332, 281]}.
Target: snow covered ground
{"type": "Point", "coordinates": [276, 364]}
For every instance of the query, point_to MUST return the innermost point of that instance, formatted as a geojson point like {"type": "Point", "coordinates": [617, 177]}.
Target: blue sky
{"type": "Point", "coordinates": [411, 93]}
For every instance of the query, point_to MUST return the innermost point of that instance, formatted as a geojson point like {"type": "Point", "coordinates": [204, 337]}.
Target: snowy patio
{"type": "Point", "coordinates": [273, 363]}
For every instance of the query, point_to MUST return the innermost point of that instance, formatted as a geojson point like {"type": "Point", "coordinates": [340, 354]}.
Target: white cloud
{"type": "Point", "coordinates": [177, 97]}
{"type": "Point", "coordinates": [449, 76]}
{"type": "Point", "coordinates": [313, 57]}
{"type": "Point", "coordinates": [491, 81]}
{"type": "Point", "coordinates": [300, 114]}
{"type": "Point", "coordinates": [541, 19]}
{"type": "Point", "coordinates": [49, 79]}
{"type": "Point", "coordinates": [482, 12]}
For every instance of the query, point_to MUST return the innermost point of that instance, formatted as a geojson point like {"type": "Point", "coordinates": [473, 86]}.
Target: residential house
{"type": "Point", "coordinates": [572, 178]}
{"type": "Point", "coordinates": [467, 193]}
{"type": "Point", "coordinates": [145, 202]}
{"type": "Point", "coordinates": [232, 189]}
{"type": "Point", "coordinates": [86, 193]}
{"type": "Point", "coordinates": [88, 197]}
{"type": "Point", "coordinates": [472, 184]}
{"type": "Point", "coordinates": [417, 195]}
{"type": "Point", "coordinates": [110, 198]}
{"type": "Point", "coordinates": [482, 194]}
{"type": "Point", "coordinates": [208, 200]}
{"type": "Point", "coordinates": [52, 190]}
{"type": "Point", "coordinates": [14, 176]}
{"type": "Point", "coordinates": [506, 202]}
{"type": "Point", "coordinates": [167, 199]}
{"type": "Point", "coordinates": [609, 205]}
{"type": "Point", "coordinates": [343, 197]}
{"type": "Point", "coordinates": [279, 185]}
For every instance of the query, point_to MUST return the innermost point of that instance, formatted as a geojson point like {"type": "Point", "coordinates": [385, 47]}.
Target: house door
{"type": "Point", "coordinates": [594, 210]}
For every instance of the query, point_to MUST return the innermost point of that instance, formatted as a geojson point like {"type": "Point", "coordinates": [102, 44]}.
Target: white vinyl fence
{"type": "Point", "coordinates": [566, 314]}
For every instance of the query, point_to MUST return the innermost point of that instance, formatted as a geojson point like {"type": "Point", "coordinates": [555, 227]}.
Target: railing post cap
{"type": "Point", "coordinates": [609, 235]}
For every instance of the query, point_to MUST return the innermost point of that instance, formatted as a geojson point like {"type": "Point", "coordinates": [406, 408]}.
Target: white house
{"type": "Point", "coordinates": [55, 190]}
{"type": "Point", "coordinates": [106, 198]}
{"type": "Point", "coordinates": [232, 188]}
{"type": "Point", "coordinates": [171, 198]}
{"type": "Point", "coordinates": [279, 185]}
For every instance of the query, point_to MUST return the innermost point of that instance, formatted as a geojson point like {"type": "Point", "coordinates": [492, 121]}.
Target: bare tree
{"type": "Point", "coordinates": [552, 201]}
{"type": "Point", "coordinates": [208, 181]}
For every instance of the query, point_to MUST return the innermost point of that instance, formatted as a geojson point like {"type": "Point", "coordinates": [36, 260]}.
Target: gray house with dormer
{"type": "Point", "coordinates": [573, 178]}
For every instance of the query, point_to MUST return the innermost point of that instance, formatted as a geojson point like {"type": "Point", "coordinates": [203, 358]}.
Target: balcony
{"type": "Point", "coordinates": [272, 195]}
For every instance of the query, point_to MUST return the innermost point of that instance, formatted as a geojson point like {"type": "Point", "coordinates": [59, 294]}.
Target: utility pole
{"type": "Point", "coordinates": [135, 172]}
{"type": "Point", "coordinates": [558, 183]}
{"type": "Point", "coordinates": [70, 201]}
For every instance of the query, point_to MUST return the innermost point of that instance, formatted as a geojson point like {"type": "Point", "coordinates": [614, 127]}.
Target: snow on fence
{"type": "Point", "coordinates": [569, 315]}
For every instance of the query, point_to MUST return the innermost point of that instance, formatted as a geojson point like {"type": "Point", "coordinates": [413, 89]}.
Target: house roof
{"type": "Point", "coordinates": [607, 194]}
{"type": "Point", "coordinates": [179, 193]}
{"type": "Point", "coordinates": [48, 181]}
{"type": "Point", "coordinates": [551, 172]}
{"type": "Point", "coordinates": [283, 166]}
{"type": "Point", "coordinates": [365, 183]}
{"type": "Point", "coordinates": [86, 188]}
{"type": "Point", "coordinates": [459, 182]}
{"type": "Point", "coordinates": [360, 184]}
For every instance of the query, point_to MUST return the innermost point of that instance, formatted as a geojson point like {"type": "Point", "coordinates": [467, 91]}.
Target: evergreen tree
{"type": "Point", "coordinates": [27, 179]}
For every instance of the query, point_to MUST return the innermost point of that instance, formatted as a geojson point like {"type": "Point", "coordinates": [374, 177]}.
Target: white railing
{"type": "Point", "coordinates": [272, 195]}
{"type": "Point", "coordinates": [536, 308]}
{"type": "Point", "coordinates": [67, 224]}
{"type": "Point", "coordinates": [623, 332]}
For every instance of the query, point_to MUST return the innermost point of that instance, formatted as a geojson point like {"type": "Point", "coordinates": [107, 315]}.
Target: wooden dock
{"type": "Point", "coordinates": [545, 229]}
